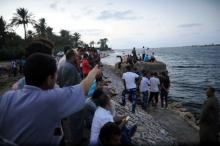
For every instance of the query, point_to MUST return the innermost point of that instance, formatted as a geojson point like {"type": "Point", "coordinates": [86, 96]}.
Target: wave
{"type": "Point", "coordinates": [190, 66]}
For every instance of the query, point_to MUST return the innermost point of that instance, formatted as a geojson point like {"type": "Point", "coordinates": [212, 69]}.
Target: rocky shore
{"type": "Point", "coordinates": [157, 126]}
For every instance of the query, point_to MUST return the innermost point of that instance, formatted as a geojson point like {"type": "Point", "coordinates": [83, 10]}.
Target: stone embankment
{"type": "Point", "coordinates": [155, 127]}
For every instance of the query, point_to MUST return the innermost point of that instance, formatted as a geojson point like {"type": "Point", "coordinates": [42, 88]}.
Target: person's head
{"type": "Point", "coordinates": [40, 71]}
{"type": "Point", "coordinates": [39, 45]}
{"type": "Point", "coordinates": [71, 56]}
{"type": "Point", "coordinates": [102, 99]}
{"type": "Point", "coordinates": [85, 56]}
{"type": "Point", "coordinates": [210, 92]}
{"type": "Point", "coordinates": [155, 74]}
{"type": "Point", "coordinates": [146, 73]}
{"type": "Point", "coordinates": [164, 74]}
{"type": "Point", "coordinates": [110, 135]}
{"type": "Point", "coordinates": [66, 48]}
{"type": "Point", "coordinates": [128, 68]}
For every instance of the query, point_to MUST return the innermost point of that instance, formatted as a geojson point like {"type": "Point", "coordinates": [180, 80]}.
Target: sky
{"type": "Point", "coordinates": [127, 23]}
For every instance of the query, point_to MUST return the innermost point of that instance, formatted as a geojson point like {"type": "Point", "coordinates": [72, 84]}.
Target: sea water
{"type": "Point", "coordinates": [191, 71]}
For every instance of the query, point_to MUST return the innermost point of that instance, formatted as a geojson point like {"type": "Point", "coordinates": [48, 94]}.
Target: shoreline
{"type": "Point", "coordinates": [176, 107]}
{"type": "Point", "coordinates": [179, 126]}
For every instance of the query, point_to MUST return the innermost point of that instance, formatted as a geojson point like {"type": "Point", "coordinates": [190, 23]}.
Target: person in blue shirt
{"type": "Point", "coordinates": [146, 58]}
{"type": "Point", "coordinates": [32, 115]}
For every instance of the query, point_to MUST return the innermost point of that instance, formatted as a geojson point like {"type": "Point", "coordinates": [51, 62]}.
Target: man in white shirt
{"type": "Point", "coordinates": [154, 88]}
{"type": "Point", "coordinates": [144, 89]}
{"type": "Point", "coordinates": [103, 115]}
{"type": "Point", "coordinates": [63, 59]}
{"type": "Point", "coordinates": [129, 79]}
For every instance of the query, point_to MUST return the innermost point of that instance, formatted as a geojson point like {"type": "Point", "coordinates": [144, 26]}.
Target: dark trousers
{"type": "Point", "coordinates": [125, 136]}
{"type": "Point", "coordinates": [155, 96]}
{"type": "Point", "coordinates": [163, 98]}
{"type": "Point", "coordinates": [143, 55]}
{"type": "Point", "coordinates": [144, 99]}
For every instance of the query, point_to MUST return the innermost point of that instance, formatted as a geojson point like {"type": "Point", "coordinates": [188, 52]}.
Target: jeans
{"type": "Point", "coordinates": [134, 98]}
{"type": "Point", "coordinates": [144, 99]}
{"type": "Point", "coordinates": [131, 92]}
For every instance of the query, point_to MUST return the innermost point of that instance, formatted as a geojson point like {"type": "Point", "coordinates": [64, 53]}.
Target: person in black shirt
{"type": "Point", "coordinates": [165, 85]}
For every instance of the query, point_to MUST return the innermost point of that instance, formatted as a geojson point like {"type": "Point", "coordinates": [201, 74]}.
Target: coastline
{"type": "Point", "coordinates": [174, 106]}
{"type": "Point", "coordinates": [178, 126]}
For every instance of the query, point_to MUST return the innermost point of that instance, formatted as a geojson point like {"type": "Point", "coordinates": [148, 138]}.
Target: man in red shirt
{"type": "Point", "coordinates": [85, 65]}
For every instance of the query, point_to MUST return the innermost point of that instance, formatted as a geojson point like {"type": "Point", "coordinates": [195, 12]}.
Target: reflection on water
{"type": "Point", "coordinates": [191, 70]}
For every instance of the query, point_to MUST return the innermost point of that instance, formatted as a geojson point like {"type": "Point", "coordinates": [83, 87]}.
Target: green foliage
{"type": "Point", "coordinates": [12, 45]}
{"type": "Point", "coordinates": [103, 44]}
{"type": "Point", "coordinates": [22, 17]}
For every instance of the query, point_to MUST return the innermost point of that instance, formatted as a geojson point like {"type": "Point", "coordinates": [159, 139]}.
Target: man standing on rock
{"type": "Point", "coordinates": [144, 89]}
{"type": "Point", "coordinates": [129, 79]}
{"type": "Point", "coordinates": [154, 88]}
{"type": "Point", "coordinates": [165, 86]}
{"type": "Point", "coordinates": [209, 120]}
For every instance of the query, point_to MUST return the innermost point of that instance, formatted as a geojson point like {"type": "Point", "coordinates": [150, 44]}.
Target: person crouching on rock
{"type": "Point", "coordinates": [103, 115]}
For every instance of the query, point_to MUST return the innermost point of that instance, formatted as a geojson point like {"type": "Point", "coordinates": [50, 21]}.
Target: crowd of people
{"type": "Point", "coordinates": [149, 85]}
{"type": "Point", "coordinates": [56, 100]}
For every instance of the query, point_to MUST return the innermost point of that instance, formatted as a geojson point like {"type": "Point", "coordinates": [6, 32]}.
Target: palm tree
{"type": "Point", "coordinates": [3, 31]}
{"type": "Point", "coordinates": [103, 43]}
{"type": "Point", "coordinates": [22, 17]}
{"type": "Point", "coordinates": [76, 38]}
{"type": "Point", "coordinates": [64, 33]}
{"type": "Point", "coordinates": [91, 44]}
{"type": "Point", "coordinates": [49, 31]}
{"type": "Point", "coordinates": [41, 28]}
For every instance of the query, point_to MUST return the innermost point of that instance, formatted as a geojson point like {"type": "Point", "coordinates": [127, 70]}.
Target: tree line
{"type": "Point", "coordinates": [12, 45]}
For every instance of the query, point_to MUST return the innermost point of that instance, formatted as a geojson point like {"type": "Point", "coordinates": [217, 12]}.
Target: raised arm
{"type": "Point", "coordinates": [87, 82]}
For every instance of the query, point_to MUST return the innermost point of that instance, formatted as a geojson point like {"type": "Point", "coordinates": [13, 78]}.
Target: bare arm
{"type": "Point", "coordinates": [87, 82]}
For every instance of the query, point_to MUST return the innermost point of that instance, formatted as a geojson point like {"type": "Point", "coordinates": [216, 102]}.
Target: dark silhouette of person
{"type": "Point", "coordinates": [209, 119]}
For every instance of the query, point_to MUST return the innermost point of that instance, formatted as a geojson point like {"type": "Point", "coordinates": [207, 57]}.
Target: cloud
{"type": "Point", "coordinates": [89, 11]}
{"type": "Point", "coordinates": [54, 5]}
{"type": "Point", "coordinates": [189, 25]}
{"type": "Point", "coordinates": [118, 15]}
{"type": "Point", "coordinates": [89, 31]}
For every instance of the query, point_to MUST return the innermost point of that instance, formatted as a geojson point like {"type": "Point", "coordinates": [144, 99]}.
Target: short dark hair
{"type": "Point", "coordinates": [97, 93]}
{"type": "Point", "coordinates": [39, 45]}
{"type": "Point", "coordinates": [212, 89]}
{"type": "Point", "coordinates": [101, 97]}
{"type": "Point", "coordinates": [70, 53]}
{"type": "Point", "coordinates": [66, 48]}
{"type": "Point", "coordinates": [108, 131]}
{"type": "Point", "coordinates": [128, 68]}
{"type": "Point", "coordinates": [38, 67]}
{"type": "Point", "coordinates": [85, 56]}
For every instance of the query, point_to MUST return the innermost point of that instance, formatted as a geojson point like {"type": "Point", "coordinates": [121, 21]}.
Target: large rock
{"type": "Point", "coordinates": [156, 66]}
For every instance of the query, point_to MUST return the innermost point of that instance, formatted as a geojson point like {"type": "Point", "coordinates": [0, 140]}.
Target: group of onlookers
{"type": "Point", "coordinates": [52, 102]}
{"type": "Point", "coordinates": [16, 66]}
{"type": "Point", "coordinates": [150, 85]}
